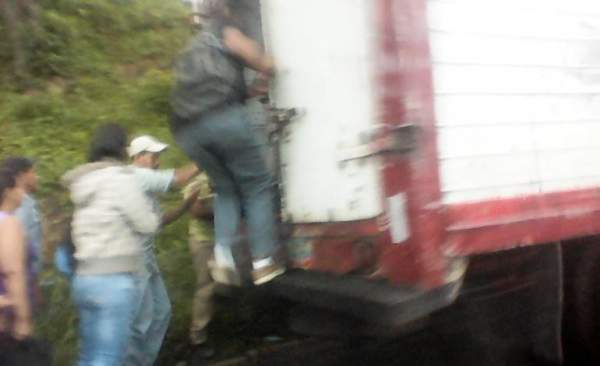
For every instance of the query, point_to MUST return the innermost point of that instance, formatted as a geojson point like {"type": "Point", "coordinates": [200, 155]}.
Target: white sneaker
{"type": "Point", "coordinates": [224, 274]}
{"type": "Point", "coordinates": [223, 256]}
{"type": "Point", "coordinates": [265, 270]}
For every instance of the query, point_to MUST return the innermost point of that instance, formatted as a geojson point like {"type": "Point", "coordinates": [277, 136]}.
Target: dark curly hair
{"type": "Point", "coordinates": [213, 8]}
{"type": "Point", "coordinates": [17, 164]}
{"type": "Point", "coordinates": [109, 141]}
{"type": "Point", "coordinates": [8, 180]}
{"type": "Point", "coordinates": [217, 9]}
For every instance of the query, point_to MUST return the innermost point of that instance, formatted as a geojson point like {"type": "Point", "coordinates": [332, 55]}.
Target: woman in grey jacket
{"type": "Point", "coordinates": [111, 217]}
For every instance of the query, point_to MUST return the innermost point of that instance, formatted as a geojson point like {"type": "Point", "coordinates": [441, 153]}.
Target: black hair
{"type": "Point", "coordinates": [8, 180]}
{"type": "Point", "coordinates": [215, 10]}
{"type": "Point", "coordinates": [109, 141]}
{"type": "Point", "coordinates": [17, 164]}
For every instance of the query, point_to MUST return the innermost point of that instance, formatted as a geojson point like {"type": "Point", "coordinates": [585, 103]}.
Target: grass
{"type": "Point", "coordinates": [91, 62]}
{"type": "Point", "coordinates": [97, 61]}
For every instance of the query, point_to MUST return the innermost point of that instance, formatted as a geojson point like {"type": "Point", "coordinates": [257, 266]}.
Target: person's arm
{"type": "Point", "coordinates": [14, 267]}
{"type": "Point", "coordinates": [171, 216]}
{"type": "Point", "coordinates": [184, 175]}
{"type": "Point", "coordinates": [260, 86]}
{"type": "Point", "coordinates": [248, 50]}
{"type": "Point", "coordinates": [200, 210]}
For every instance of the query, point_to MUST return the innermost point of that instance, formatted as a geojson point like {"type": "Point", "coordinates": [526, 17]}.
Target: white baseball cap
{"type": "Point", "coordinates": [145, 143]}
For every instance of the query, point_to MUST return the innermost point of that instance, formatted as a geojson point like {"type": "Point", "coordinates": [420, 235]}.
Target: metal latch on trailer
{"type": "Point", "coordinates": [279, 118]}
{"type": "Point", "coordinates": [386, 140]}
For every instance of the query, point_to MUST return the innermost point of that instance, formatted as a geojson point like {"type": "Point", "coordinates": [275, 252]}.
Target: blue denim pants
{"type": "Point", "coordinates": [225, 145]}
{"type": "Point", "coordinates": [105, 304]}
{"type": "Point", "coordinates": [151, 316]}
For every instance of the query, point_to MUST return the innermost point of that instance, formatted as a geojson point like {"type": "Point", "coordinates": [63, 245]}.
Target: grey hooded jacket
{"type": "Point", "coordinates": [111, 217]}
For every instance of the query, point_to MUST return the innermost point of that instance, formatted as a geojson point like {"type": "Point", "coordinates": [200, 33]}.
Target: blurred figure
{"type": "Point", "coordinates": [28, 213]}
{"type": "Point", "coordinates": [17, 277]}
{"type": "Point", "coordinates": [211, 125]}
{"type": "Point", "coordinates": [111, 215]}
{"type": "Point", "coordinates": [64, 255]}
{"type": "Point", "coordinates": [201, 248]}
{"type": "Point", "coordinates": [15, 268]}
{"type": "Point", "coordinates": [153, 307]}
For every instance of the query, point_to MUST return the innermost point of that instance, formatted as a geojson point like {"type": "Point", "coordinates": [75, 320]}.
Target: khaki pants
{"type": "Point", "coordinates": [202, 308]}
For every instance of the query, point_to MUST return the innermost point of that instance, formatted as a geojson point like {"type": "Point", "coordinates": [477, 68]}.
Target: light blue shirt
{"type": "Point", "coordinates": [29, 216]}
{"type": "Point", "coordinates": [154, 182]}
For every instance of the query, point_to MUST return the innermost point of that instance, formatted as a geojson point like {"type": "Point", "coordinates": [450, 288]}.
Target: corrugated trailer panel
{"type": "Point", "coordinates": [517, 103]}
{"type": "Point", "coordinates": [517, 95]}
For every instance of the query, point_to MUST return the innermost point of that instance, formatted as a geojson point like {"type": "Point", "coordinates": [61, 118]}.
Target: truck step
{"type": "Point", "coordinates": [372, 300]}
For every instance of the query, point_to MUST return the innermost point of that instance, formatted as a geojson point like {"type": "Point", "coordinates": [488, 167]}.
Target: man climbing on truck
{"type": "Point", "coordinates": [211, 125]}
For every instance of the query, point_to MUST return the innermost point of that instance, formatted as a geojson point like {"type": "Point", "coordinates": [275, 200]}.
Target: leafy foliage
{"type": "Point", "coordinates": [94, 61]}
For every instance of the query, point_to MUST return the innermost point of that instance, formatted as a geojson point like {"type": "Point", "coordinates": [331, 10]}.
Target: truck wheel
{"type": "Point", "coordinates": [581, 318]}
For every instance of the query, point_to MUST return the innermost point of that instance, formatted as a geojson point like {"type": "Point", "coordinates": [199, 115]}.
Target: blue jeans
{"type": "Point", "coordinates": [225, 145]}
{"type": "Point", "coordinates": [105, 304]}
{"type": "Point", "coordinates": [152, 316]}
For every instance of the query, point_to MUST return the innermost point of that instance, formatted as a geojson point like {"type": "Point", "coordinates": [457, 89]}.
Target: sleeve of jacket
{"type": "Point", "coordinates": [136, 207]}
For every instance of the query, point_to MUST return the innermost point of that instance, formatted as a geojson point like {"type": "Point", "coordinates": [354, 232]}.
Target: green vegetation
{"type": "Point", "coordinates": [90, 62]}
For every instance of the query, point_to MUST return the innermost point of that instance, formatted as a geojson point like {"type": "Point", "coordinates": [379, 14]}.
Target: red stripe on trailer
{"type": "Point", "coordinates": [404, 85]}
{"type": "Point", "coordinates": [508, 223]}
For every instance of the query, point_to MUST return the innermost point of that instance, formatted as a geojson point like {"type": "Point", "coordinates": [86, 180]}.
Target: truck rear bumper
{"type": "Point", "coordinates": [373, 301]}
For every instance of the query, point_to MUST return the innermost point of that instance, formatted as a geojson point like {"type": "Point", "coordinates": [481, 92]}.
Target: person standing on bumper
{"type": "Point", "coordinates": [211, 125]}
{"type": "Point", "coordinates": [111, 215]}
{"type": "Point", "coordinates": [153, 308]}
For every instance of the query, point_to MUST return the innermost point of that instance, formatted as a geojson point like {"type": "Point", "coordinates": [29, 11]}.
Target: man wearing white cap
{"type": "Point", "coordinates": [154, 309]}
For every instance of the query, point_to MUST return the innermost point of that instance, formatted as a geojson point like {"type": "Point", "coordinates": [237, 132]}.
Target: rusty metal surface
{"type": "Point", "coordinates": [404, 83]}
{"type": "Point", "coordinates": [490, 226]}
